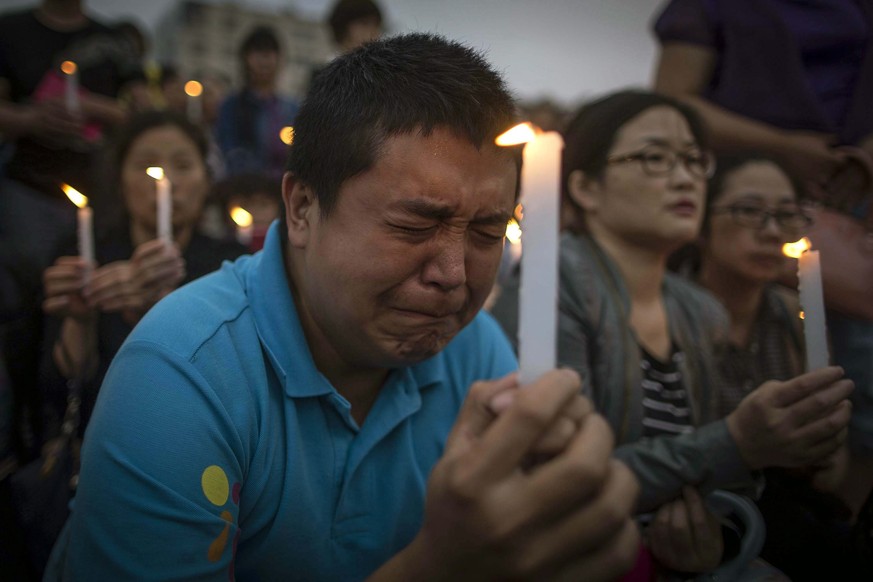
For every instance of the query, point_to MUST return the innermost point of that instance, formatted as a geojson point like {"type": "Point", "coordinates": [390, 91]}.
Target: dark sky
{"type": "Point", "coordinates": [567, 49]}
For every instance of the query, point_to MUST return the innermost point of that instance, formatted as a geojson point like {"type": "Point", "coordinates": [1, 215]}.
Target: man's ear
{"type": "Point", "coordinates": [584, 190]}
{"type": "Point", "coordinates": [301, 209]}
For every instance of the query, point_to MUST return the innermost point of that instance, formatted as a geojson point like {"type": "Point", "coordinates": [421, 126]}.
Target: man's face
{"type": "Point", "coordinates": [408, 254]}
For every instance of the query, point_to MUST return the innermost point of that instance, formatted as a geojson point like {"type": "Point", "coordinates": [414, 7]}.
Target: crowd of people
{"type": "Point", "coordinates": [330, 390]}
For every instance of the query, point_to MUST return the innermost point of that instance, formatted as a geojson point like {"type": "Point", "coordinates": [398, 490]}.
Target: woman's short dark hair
{"type": "Point", "coordinates": [589, 136]}
{"type": "Point", "coordinates": [394, 86]}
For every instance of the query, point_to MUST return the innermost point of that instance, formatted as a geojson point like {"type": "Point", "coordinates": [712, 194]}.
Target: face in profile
{"type": "Point", "coordinates": [652, 190]}
{"type": "Point", "coordinates": [755, 213]}
{"type": "Point", "coordinates": [409, 252]}
{"type": "Point", "coordinates": [170, 148]}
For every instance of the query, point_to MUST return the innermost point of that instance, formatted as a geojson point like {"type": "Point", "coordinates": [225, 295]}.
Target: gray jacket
{"type": "Point", "coordinates": [595, 339]}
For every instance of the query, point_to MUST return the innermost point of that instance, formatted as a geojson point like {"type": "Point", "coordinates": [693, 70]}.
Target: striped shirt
{"type": "Point", "coordinates": [665, 401]}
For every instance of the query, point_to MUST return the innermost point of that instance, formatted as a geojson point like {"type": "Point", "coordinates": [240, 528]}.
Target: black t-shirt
{"type": "Point", "coordinates": [29, 51]}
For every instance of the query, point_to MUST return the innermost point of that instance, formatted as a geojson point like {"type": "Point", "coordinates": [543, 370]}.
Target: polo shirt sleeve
{"type": "Point", "coordinates": [688, 21]}
{"type": "Point", "coordinates": [162, 467]}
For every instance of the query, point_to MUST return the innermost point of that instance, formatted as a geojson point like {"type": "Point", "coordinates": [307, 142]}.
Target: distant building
{"type": "Point", "coordinates": [202, 38]}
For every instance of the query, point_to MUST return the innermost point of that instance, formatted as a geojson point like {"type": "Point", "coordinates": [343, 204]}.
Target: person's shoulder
{"type": "Point", "coordinates": [192, 315]}
{"type": "Point", "coordinates": [585, 273]}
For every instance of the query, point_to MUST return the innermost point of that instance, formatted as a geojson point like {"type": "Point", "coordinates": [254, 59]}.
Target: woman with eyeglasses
{"type": "Point", "coordinates": [645, 341]}
{"type": "Point", "coordinates": [752, 210]}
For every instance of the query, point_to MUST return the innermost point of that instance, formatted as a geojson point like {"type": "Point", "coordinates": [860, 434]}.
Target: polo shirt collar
{"type": "Point", "coordinates": [278, 323]}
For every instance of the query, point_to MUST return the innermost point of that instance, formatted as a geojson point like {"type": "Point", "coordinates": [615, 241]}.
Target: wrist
{"type": "Point", "coordinates": [747, 450]}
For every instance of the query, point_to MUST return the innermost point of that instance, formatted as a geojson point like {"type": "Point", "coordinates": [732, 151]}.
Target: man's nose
{"type": "Point", "coordinates": [447, 267]}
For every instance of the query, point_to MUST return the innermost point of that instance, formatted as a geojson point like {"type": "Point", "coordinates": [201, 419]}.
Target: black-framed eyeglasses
{"type": "Point", "coordinates": [658, 161]}
{"type": "Point", "coordinates": [757, 217]}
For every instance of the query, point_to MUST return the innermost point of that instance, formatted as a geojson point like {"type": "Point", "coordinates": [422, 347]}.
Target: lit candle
{"type": "Point", "coordinates": [71, 87]}
{"type": "Point", "coordinates": [811, 301]}
{"type": "Point", "coordinates": [164, 204]}
{"type": "Point", "coordinates": [538, 292]}
{"type": "Point", "coordinates": [194, 91]}
{"type": "Point", "coordinates": [85, 223]}
{"type": "Point", "coordinates": [243, 220]}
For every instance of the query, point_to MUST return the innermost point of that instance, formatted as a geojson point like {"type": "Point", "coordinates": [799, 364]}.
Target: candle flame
{"type": "Point", "coordinates": [802, 316]}
{"type": "Point", "coordinates": [155, 172]}
{"type": "Point", "coordinates": [513, 232]}
{"type": "Point", "coordinates": [75, 196]}
{"type": "Point", "coordinates": [69, 67]}
{"type": "Point", "coordinates": [286, 134]}
{"type": "Point", "coordinates": [795, 249]}
{"type": "Point", "coordinates": [241, 216]}
{"type": "Point", "coordinates": [521, 133]}
{"type": "Point", "coordinates": [193, 88]}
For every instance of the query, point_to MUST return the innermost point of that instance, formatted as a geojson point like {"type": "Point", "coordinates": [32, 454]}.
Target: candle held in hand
{"type": "Point", "coordinates": [538, 293]}
{"type": "Point", "coordinates": [811, 301]}
{"type": "Point", "coordinates": [84, 223]}
{"type": "Point", "coordinates": [164, 203]}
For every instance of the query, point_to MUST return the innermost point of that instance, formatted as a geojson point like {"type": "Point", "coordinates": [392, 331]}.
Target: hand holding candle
{"type": "Point", "coordinates": [84, 222]}
{"type": "Point", "coordinates": [538, 293]}
{"type": "Point", "coordinates": [811, 301]}
{"type": "Point", "coordinates": [164, 203]}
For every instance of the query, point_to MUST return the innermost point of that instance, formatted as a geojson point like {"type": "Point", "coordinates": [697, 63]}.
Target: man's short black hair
{"type": "Point", "coordinates": [399, 85]}
{"type": "Point", "coordinates": [347, 11]}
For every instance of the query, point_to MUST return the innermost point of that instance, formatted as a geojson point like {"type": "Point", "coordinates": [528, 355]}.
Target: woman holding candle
{"type": "Point", "coordinates": [95, 306]}
{"type": "Point", "coordinates": [752, 210]}
{"type": "Point", "coordinates": [645, 342]}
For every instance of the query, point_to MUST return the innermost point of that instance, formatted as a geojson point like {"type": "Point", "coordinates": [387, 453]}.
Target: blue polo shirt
{"type": "Point", "coordinates": [217, 449]}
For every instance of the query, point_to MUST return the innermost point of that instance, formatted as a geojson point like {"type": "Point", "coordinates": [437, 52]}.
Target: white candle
{"type": "Point", "coordinates": [86, 235]}
{"type": "Point", "coordinates": [164, 203]}
{"type": "Point", "coordinates": [194, 91]}
{"type": "Point", "coordinates": [71, 87]}
{"type": "Point", "coordinates": [538, 293]}
{"type": "Point", "coordinates": [85, 228]}
{"type": "Point", "coordinates": [243, 220]}
{"type": "Point", "coordinates": [811, 302]}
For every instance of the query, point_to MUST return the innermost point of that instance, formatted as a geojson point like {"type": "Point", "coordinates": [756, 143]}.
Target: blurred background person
{"type": "Point", "coordinates": [51, 143]}
{"type": "Point", "coordinates": [753, 208]}
{"type": "Point", "coordinates": [258, 196]}
{"type": "Point", "coordinates": [250, 120]}
{"type": "Point", "coordinates": [94, 307]}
